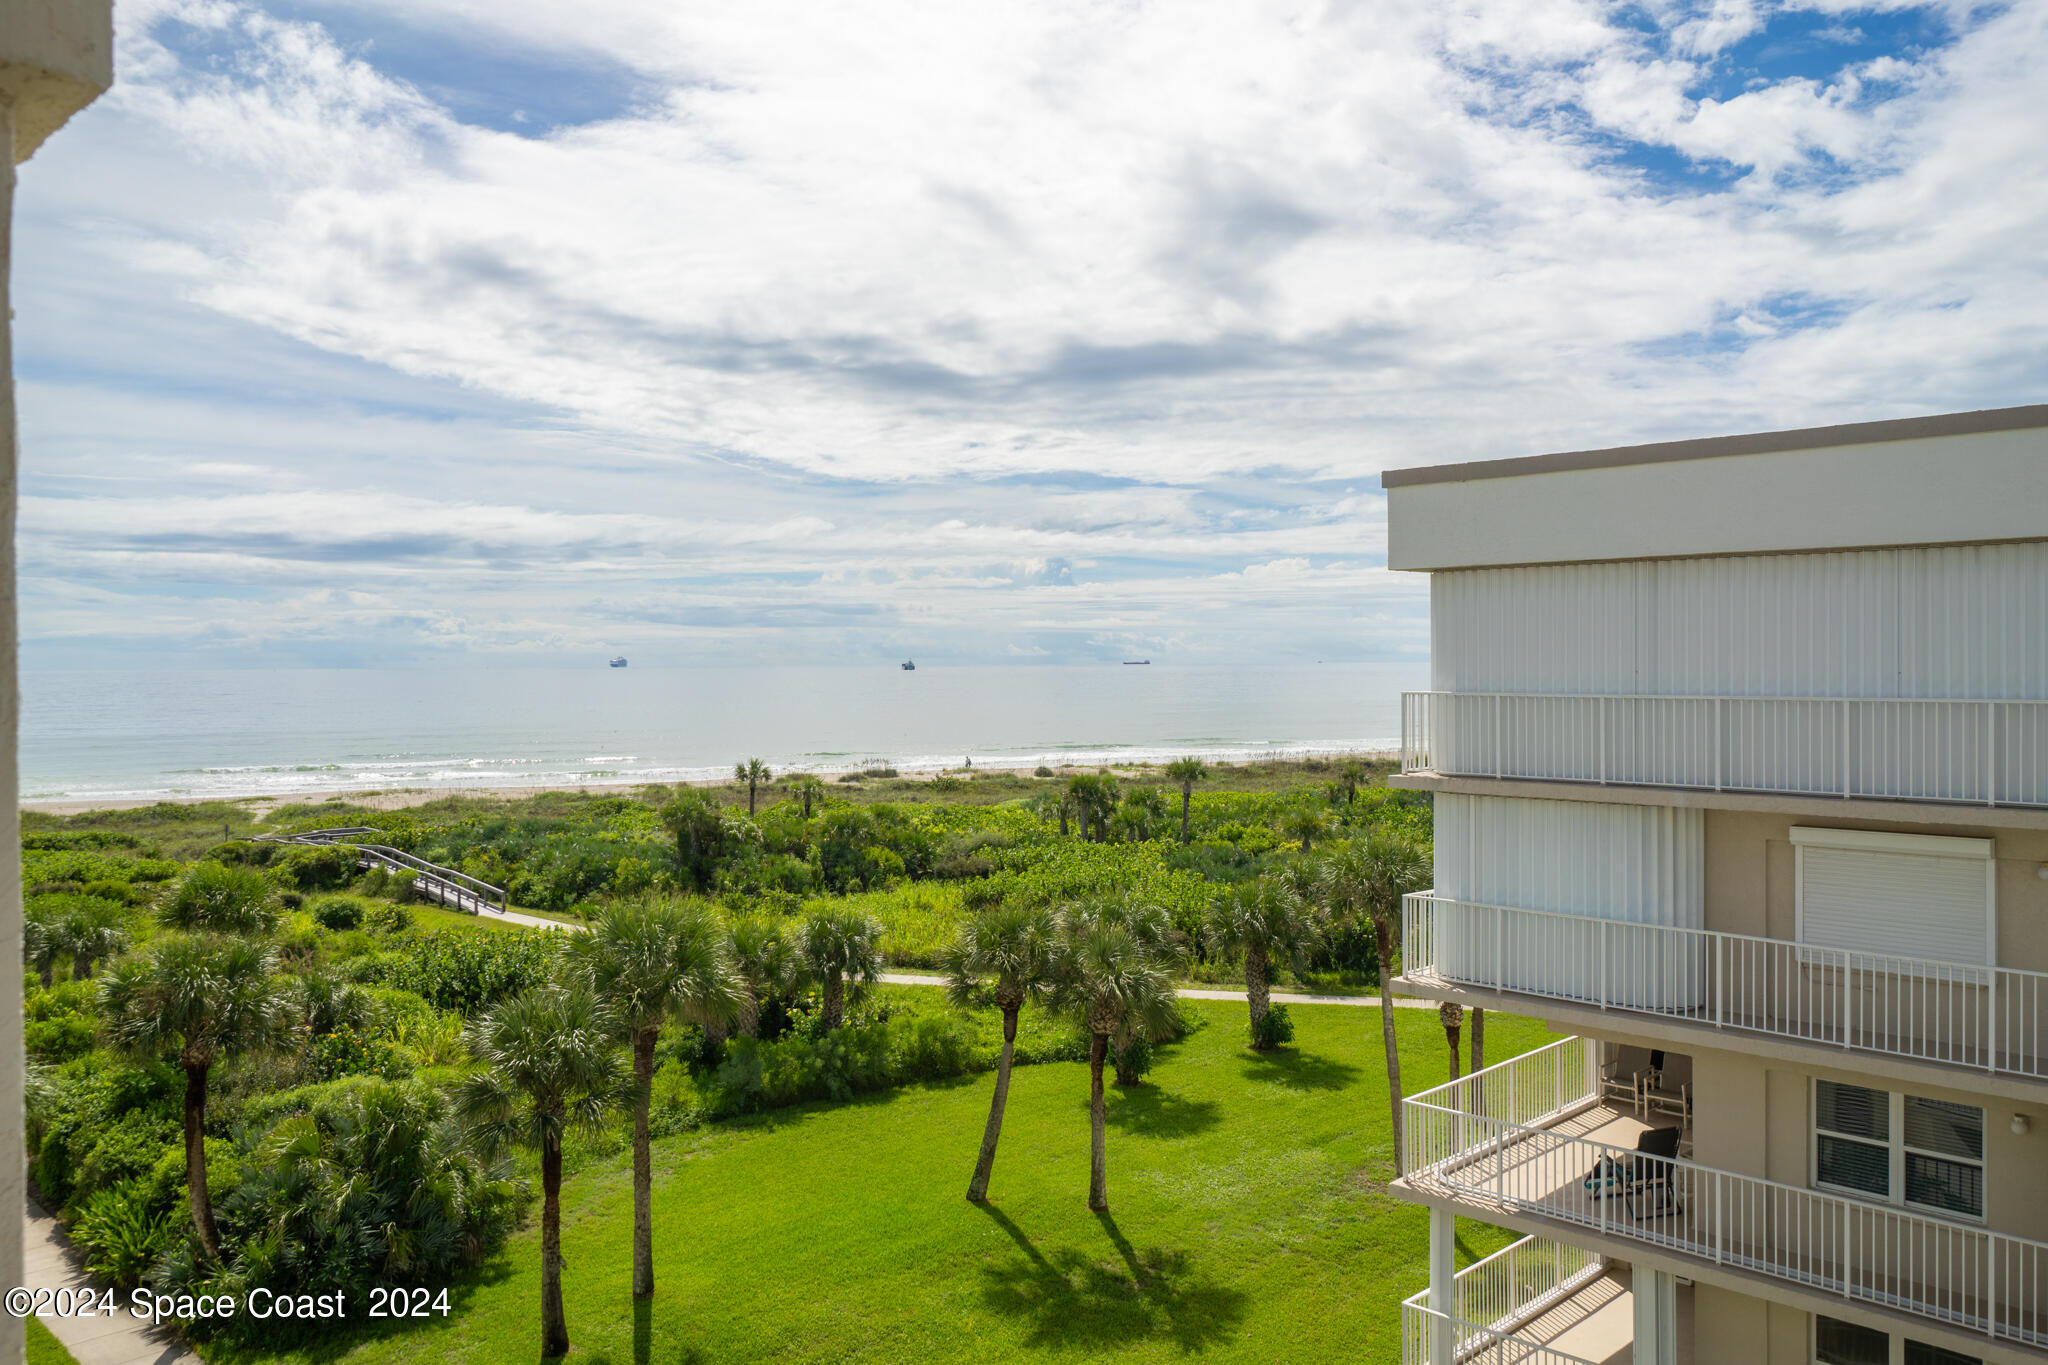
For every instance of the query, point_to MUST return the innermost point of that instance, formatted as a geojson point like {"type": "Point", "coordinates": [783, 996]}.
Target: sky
{"type": "Point", "coordinates": [472, 333]}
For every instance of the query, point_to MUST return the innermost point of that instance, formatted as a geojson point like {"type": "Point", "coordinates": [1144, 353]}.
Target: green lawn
{"type": "Point", "coordinates": [43, 1346]}
{"type": "Point", "coordinates": [1251, 1222]}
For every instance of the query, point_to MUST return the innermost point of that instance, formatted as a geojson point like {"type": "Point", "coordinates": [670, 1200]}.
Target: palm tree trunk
{"type": "Point", "coordinates": [49, 971]}
{"type": "Point", "coordinates": [554, 1323]}
{"type": "Point", "coordinates": [195, 1161]}
{"type": "Point", "coordinates": [1383, 942]}
{"type": "Point", "coordinates": [835, 1000]}
{"type": "Point", "coordinates": [1451, 1037]}
{"type": "Point", "coordinates": [643, 1164]}
{"type": "Point", "coordinates": [1256, 989]}
{"type": "Point", "coordinates": [1063, 822]}
{"type": "Point", "coordinates": [1098, 1165]}
{"type": "Point", "coordinates": [750, 1015]}
{"type": "Point", "coordinates": [81, 966]}
{"type": "Point", "coordinates": [977, 1189]}
{"type": "Point", "coordinates": [1187, 795]}
{"type": "Point", "coordinates": [750, 800]}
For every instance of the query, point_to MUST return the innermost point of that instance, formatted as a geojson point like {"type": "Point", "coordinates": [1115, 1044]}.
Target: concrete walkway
{"type": "Point", "coordinates": [51, 1262]}
{"type": "Point", "coordinates": [1204, 993]}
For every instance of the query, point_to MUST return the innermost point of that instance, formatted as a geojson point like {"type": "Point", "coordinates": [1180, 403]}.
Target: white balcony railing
{"type": "Point", "coordinates": [1503, 1140]}
{"type": "Point", "coordinates": [1494, 1298]}
{"type": "Point", "coordinates": [1986, 751]}
{"type": "Point", "coordinates": [1993, 1019]}
{"type": "Point", "coordinates": [1422, 1327]}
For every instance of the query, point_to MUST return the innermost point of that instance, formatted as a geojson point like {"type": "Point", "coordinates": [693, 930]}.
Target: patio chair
{"type": "Point", "coordinates": [1622, 1078]}
{"type": "Point", "coordinates": [1651, 1174]}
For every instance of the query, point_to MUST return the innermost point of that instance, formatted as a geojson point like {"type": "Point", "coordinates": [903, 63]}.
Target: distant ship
{"type": "Point", "coordinates": [619, 662]}
{"type": "Point", "coordinates": [1137, 663]}
{"type": "Point", "coordinates": [909, 666]}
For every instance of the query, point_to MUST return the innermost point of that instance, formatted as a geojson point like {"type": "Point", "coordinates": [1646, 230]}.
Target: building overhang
{"type": "Point", "coordinates": [1950, 814]}
{"type": "Point", "coordinates": [1955, 479]}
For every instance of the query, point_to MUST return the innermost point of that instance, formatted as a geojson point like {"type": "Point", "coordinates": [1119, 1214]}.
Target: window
{"type": "Point", "coordinates": [1846, 1343]}
{"type": "Point", "coordinates": [1919, 896]}
{"type": "Point", "coordinates": [1903, 1149]}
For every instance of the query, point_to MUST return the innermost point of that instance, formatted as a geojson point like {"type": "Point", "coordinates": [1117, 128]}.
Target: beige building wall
{"type": "Point", "coordinates": [1754, 1118]}
{"type": "Point", "coordinates": [56, 56]}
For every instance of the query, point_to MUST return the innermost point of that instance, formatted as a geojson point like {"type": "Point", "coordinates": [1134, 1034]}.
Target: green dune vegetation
{"type": "Point", "coordinates": [696, 1127]}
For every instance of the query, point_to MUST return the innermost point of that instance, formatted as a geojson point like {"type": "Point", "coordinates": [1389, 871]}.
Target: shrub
{"type": "Point", "coordinates": [340, 912]}
{"type": "Point", "coordinates": [466, 971]}
{"type": "Point", "coordinates": [1042, 771]}
{"type": "Point", "coordinates": [124, 1232]}
{"type": "Point", "coordinates": [345, 1051]}
{"type": "Point", "coordinates": [388, 917]}
{"type": "Point", "coordinates": [1276, 1028]}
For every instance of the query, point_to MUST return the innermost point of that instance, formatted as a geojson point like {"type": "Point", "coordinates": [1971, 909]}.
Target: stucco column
{"type": "Point", "coordinates": [1443, 1293]}
{"type": "Point", "coordinates": [1655, 1293]}
{"type": "Point", "coordinates": [56, 56]}
{"type": "Point", "coordinates": [13, 1148]}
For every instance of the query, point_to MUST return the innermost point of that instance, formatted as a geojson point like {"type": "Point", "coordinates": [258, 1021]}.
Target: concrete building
{"type": "Point", "coordinates": [56, 57]}
{"type": "Point", "coordinates": [1739, 751]}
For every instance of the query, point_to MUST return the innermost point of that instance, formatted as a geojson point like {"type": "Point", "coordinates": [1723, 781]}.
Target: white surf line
{"type": "Point", "coordinates": [1203, 993]}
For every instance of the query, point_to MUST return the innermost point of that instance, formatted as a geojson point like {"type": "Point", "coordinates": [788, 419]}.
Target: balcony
{"type": "Point", "coordinates": [1537, 1302]}
{"type": "Point", "coordinates": [1970, 750]}
{"type": "Point", "coordinates": [1526, 1137]}
{"type": "Point", "coordinates": [1991, 1019]}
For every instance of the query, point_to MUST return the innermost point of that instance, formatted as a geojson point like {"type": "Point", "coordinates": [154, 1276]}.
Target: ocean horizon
{"type": "Point", "coordinates": [139, 734]}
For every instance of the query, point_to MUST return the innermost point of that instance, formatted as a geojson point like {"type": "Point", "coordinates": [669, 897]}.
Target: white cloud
{"type": "Point", "coordinates": [901, 306]}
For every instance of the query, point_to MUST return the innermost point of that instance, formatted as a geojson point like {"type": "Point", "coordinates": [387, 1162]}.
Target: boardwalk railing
{"type": "Point", "coordinates": [445, 885]}
{"type": "Point", "coordinates": [1985, 751]}
{"type": "Point", "coordinates": [1491, 1140]}
{"type": "Point", "coordinates": [1991, 1018]}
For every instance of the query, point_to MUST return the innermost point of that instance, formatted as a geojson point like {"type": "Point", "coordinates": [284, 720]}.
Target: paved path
{"type": "Point", "coordinates": [1203, 993]}
{"type": "Point", "coordinates": [51, 1262]}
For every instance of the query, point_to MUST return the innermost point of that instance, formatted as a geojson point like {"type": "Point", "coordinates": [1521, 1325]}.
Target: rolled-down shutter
{"type": "Point", "coordinates": [1898, 895]}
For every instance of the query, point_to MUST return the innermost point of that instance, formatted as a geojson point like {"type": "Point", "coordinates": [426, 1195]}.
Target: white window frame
{"type": "Point", "coordinates": [1884, 841]}
{"type": "Point", "coordinates": [1895, 1168]}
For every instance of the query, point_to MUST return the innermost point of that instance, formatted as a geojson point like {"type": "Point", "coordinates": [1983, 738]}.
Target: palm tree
{"type": "Point", "coordinates": [91, 935]}
{"type": "Point", "coordinates": [650, 961]}
{"type": "Point", "coordinates": [1451, 1015]}
{"type": "Point", "coordinates": [549, 1064]}
{"type": "Point", "coordinates": [1305, 825]}
{"type": "Point", "coordinates": [1351, 778]}
{"type": "Point", "coordinates": [41, 943]}
{"type": "Point", "coordinates": [766, 963]}
{"type": "Point", "coordinates": [1015, 947]}
{"type": "Point", "coordinates": [1364, 882]}
{"type": "Point", "coordinates": [216, 898]}
{"type": "Point", "coordinates": [193, 999]}
{"type": "Point", "coordinates": [1265, 921]}
{"type": "Point", "coordinates": [1478, 1038]}
{"type": "Point", "coordinates": [1187, 772]}
{"type": "Point", "coordinates": [756, 775]}
{"type": "Point", "coordinates": [835, 945]}
{"type": "Point", "coordinates": [808, 791]}
{"type": "Point", "coordinates": [693, 818]}
{"type": "Point", "coordinates": [1121, 989]}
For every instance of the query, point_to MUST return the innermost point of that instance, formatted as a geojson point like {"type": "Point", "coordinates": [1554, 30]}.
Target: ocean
{"type": "Point", "coordinates": [258, 732]}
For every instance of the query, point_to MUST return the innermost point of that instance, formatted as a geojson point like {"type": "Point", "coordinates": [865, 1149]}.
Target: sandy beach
{"type": "Point", "coordinates": [399, 798]}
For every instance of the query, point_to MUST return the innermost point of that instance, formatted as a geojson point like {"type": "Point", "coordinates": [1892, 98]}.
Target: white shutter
{"type": "Point", "coordinates": [1896, 895]}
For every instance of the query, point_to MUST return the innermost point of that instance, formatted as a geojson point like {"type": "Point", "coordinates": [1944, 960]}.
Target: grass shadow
{"type": "Point", "coordinates": [1148, 1111]}
{"type": "Point", "coordinates": [320, 1341]}
{"type": "Point", "coordinates": [1071, 1301]}
{"type": "Point", "coordinates": [643, 1343]}
{"type": "Point", "coordinates": [1295, 1070]}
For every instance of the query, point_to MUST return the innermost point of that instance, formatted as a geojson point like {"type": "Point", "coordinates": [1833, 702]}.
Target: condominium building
{"type": "Point", "coordinates": [1739, 754]}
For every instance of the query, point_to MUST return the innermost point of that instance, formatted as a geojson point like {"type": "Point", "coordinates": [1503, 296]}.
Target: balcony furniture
{"type": "Point", "coordinates": [1650, 1173]}
{"type": "Point", "coordinates": [1621, 1078]}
